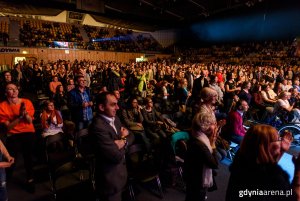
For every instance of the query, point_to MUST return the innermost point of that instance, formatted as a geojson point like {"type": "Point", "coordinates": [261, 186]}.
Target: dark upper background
{"type": "Point", "coordinates": [207, 20]}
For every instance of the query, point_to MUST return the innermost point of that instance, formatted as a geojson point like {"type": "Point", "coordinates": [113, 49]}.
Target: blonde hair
{"type": "Point", "coordinates": [202, 121]}
{"type": "Point", "coordinates": [283, 94]}
{"type": "Point", "coordinates": [207, 93]}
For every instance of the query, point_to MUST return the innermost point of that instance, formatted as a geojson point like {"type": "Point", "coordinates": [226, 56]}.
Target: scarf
{"type": "Point", "coordinates": [45, 118]}
{"type": "Point", "coordinates": [206, 172]}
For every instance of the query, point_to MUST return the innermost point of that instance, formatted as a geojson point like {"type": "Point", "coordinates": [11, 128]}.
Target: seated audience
{"type": "Point", "coordinates": [283, 107]}
{"type": "Point", "coordinates": [266, 98]}
{"type": "Point", "coordinates": [153, 122]}
{"type": "Point", "coordinates": [235, 127]}
{"type": "Point", "coordinates": [133, 120]}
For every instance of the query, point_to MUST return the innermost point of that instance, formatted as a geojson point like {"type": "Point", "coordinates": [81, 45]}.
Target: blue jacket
{"type": "Point", "coordinates": [75, 104]}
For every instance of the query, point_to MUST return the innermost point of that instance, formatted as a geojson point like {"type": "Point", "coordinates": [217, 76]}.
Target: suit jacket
{"type": "Point", "coordinates": [198, 86]}
{"type": "Point", "coordinates": [111, 172]}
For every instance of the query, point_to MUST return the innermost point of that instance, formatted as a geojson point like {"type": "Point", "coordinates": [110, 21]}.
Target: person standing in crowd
{"type": "Point", "coordinates": [245, 92]}
{"type": "Point", "coordinates": [54, 84]}
{"type": "Point", "coordinates": [17, 114]}
{"type": "Point", "coordinates": [61, 102]}
{"type": "Point", "coordinates": [231, 91]}
{"type": "Point", "coordinates": [198, 85]}
{"type": "Point", "coordinates": [80, 104]}
{"type": "Point", "coordinates": [201, 157]}
{"type": "Point", "coordinates": [7, 78]}
{"type": "Point", "coordinates": [110, 142]}
{"type": "Point", "coordinates": [255, 167]}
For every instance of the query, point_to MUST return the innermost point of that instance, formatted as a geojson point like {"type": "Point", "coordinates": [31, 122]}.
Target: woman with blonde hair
{"type": "Point", "coordinates": [201, 157]}
{"type": "Point", "coordinates": [255, 167]}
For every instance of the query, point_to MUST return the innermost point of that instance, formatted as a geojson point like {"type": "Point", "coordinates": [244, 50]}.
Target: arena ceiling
{"type": "Point", "coordinates": [146, 15]}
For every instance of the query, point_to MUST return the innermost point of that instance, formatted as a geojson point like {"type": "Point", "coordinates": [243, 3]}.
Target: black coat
{"type": "Point", "coordinates": [111, 172]}
{"type": "Point", "coordinates": [197, 155]}
{"type": "Point", "coordinates": [198, 86]}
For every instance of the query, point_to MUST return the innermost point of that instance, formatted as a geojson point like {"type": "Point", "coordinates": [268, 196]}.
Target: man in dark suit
{"type": "Point", "coordinates": [110, 141]}
{"type": "Point", "coordinates": [198, 85]}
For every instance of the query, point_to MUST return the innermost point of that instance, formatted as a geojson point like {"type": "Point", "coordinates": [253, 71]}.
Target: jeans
{"type": "Point", "coordinates": [3, 191]}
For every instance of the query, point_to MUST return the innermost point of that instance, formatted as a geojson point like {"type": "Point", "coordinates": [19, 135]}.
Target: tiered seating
{"type": "Point", "coordinates": [38, 33]}
{"type": "Point", "coordinates": [148, 43]}
{"type": "Point", "coordinates": [267, 52]}
{"type": "Point", "coordinates": [3, 31]}
{"type": "Point", "coordinates": [110, 39]}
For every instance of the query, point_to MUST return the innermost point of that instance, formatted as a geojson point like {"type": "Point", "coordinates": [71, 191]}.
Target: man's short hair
{"type": "Point", "coordinates": [102, 98]}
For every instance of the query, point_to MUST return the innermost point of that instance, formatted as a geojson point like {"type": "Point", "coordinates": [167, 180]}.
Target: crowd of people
{"type": "Point", "coordinates": [146, 103]}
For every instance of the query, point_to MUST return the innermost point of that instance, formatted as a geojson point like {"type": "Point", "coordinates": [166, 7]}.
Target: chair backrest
{"type": "Point", "coordinates": [181, 135]}
{"type": "Point", "coordinates": [84, 142]}
{"type": "Point", "coordinates": [135, 156]}
{"type": "Point", "coordinates": [135, 148]}
{"type": "Point", "coordinates": [58, 150]}
{"type": "Point", "coordinates": [51, 139]}
{"type": "Point", "coordinates": [82, 133]}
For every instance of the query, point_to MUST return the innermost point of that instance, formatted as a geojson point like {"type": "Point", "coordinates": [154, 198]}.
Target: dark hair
{"type": "Point", "coordinates": [239, 104]}
{"type": "Point", "coordinates": [245, 84]}
{"type": "Point", "coordinates": [263, 87]}
{"type": "Point", "coordinates": [57, 88]}
{"type": "Point", "coordinates": [78, 77]}
{"type": "Point", "coordinates": [256, 88]}
{"type": "Point", "coordinates": [129, 101]}
{"type": "Point", "coordinates": [147, 100]}
{"type": "Point", "coordinates": [212, 78]}
{"type": "Point", "coordinates": [229, 76]}
{"type": "Point", "coordinates": [46, 103]}
{"type": "Point", "coordinates": [102, 98]}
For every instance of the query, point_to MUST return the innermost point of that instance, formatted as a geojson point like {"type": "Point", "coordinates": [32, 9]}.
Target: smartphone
{"type": "Point", "coordinates": [286, 163]}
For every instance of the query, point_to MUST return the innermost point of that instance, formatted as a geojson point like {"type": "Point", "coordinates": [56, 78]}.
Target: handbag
{"type": "Point", "coordinates": [136, 128]}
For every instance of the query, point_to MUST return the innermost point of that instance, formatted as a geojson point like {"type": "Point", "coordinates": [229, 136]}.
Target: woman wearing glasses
{"type": "Point", "coordinates": [255, 167]}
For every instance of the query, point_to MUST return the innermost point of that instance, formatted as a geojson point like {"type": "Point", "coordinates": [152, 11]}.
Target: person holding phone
{"type": "Point", "coordinates": [255, 167]}
{"type": "Point", "coordinates": [17, 115]}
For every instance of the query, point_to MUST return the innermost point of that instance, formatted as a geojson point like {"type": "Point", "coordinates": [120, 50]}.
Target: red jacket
{"type": "Point", "coordinates": [235, 124]}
